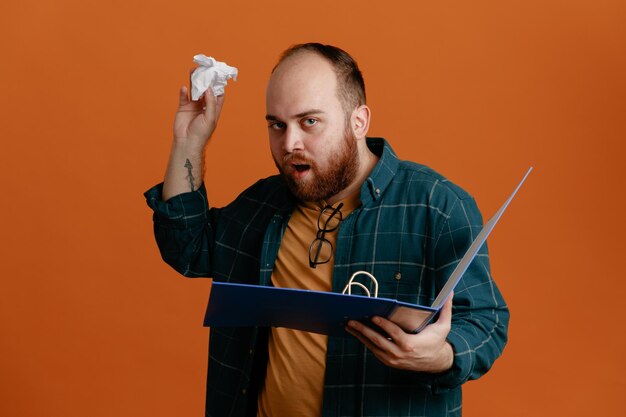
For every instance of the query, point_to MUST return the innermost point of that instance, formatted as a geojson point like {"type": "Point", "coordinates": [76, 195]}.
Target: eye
{"type": "Point", "coordinates": [276, 125]}
{"type": "Point", "coordinates": [309, 122]}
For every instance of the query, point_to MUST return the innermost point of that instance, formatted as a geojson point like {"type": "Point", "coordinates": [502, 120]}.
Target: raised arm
{"type": "Point", "coordinates": [193, 126]}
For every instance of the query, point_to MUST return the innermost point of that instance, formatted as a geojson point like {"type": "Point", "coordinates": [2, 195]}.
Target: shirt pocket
{"type": "Point", "coordinates": [407, 282]}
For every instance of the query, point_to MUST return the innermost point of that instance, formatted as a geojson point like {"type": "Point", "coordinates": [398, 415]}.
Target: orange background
{"type": "Point", "coordinates": [93, 323]}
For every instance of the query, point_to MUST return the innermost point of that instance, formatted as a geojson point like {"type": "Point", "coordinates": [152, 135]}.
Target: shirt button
{"type": "Point", "coordinates": [398, 276]}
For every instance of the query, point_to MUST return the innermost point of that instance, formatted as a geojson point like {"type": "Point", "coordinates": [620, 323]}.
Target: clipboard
{"type": "Point", "coordinates": [242, 305]}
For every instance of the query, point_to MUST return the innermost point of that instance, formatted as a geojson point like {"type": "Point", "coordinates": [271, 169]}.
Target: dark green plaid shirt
{"type": "Point", "coordinates": [410, 231]}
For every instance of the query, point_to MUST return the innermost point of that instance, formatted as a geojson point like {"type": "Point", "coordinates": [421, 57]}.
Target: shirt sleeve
{"type": "Point", "coordinates": [479, 314]}
{"type": "Point", "coordinates": [183, 231]}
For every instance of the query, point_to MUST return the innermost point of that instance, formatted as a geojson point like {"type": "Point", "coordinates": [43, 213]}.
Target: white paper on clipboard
{"type": "Point", "coordinates": [467, 259]}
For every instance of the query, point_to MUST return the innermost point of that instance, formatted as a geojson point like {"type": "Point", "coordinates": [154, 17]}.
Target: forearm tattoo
{"type": "Point", "coordinates": [190, 174]}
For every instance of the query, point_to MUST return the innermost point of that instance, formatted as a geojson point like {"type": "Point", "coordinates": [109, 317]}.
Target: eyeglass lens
{"type": "Point", "coordinates": [321, 250]}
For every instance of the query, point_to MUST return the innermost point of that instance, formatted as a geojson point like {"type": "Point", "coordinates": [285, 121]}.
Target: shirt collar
{"type": "Point", "coordinates": [379, 179]}
{"type": "Point", "coordinates": [350, 202]}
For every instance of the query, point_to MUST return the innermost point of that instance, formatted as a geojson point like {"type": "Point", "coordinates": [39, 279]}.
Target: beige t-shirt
{"type": "Point", "coordinates": [294, 381]}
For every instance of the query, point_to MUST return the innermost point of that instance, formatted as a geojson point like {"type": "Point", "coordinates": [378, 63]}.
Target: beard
{"type": "Point", "coordinates": [320, 184]}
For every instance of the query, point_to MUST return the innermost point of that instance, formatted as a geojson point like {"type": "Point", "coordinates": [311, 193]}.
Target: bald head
{"type": "Point", "coordinates": [303, 82]}
{"type": "Point", "coordinates": [350, 88]}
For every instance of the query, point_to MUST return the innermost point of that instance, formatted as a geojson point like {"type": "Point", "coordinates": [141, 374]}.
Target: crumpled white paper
{"type": "Point", "coordinates": [210, 73]}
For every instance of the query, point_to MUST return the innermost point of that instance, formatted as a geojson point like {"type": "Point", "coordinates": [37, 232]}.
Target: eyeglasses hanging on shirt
{"type": "Point", "coordinates": [321, 250]}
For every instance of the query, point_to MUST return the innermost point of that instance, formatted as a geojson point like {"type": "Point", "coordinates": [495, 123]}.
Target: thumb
{"type": "Point", "coordinates": [210, 104]}
{"type": "Point", "coordinates": [445, 317]}
{"type": "Point", "coordinates": [183, 97]}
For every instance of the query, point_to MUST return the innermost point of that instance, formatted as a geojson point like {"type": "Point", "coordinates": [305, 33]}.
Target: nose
{"type": "Point", "coordinates": [292, 140]}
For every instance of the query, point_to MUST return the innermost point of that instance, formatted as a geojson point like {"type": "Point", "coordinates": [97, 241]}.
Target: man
{"type": "Point", "coordinates": [341, 203]}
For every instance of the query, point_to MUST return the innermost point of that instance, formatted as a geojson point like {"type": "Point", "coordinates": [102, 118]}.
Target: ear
{"type": "Point", "coordinates": [360, 121]}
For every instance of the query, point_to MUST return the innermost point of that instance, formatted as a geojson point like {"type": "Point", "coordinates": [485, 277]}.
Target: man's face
{"type": "Point", "coordinates": [310, 137]}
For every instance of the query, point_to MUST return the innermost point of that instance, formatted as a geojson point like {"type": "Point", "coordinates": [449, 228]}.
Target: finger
{"type": "Point", "coordinates": [383, 356]}
{"type": "Point", "coordinates": [220, 103]}
{"type": "Point", "coordinates": [183, 97]}
{"type": "Point", "coordinates": [445, 317]}
{"type": "Point", "coordinates": [191, 70]}
{"type": "Point", "coordinates": [372, 347]}
{"type": "Point", "coordinates": [373, 336]}
{"type": "Point", "coordinates": [210, 105]}
{"type": "Point", "coordinates": [394, 331]}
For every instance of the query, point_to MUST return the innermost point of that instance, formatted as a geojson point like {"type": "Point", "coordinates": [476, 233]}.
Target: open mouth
{"type": "Point", "coordinates": [299, 171]}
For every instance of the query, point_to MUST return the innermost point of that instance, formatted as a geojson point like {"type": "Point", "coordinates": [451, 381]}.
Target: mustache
{"type": "Point", "coordinates": [298, 158]}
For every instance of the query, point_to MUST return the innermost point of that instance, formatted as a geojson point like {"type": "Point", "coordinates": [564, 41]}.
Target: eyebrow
{"type": "Point", "coordinates": [299, 115]}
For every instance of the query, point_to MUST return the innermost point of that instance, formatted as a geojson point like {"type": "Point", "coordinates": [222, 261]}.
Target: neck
{"type": "Point", "coordinates": [367, 162]}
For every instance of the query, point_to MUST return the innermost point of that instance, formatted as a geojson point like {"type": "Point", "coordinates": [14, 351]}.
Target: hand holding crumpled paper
{"type": "Point", "coordinates": [210, 73]}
